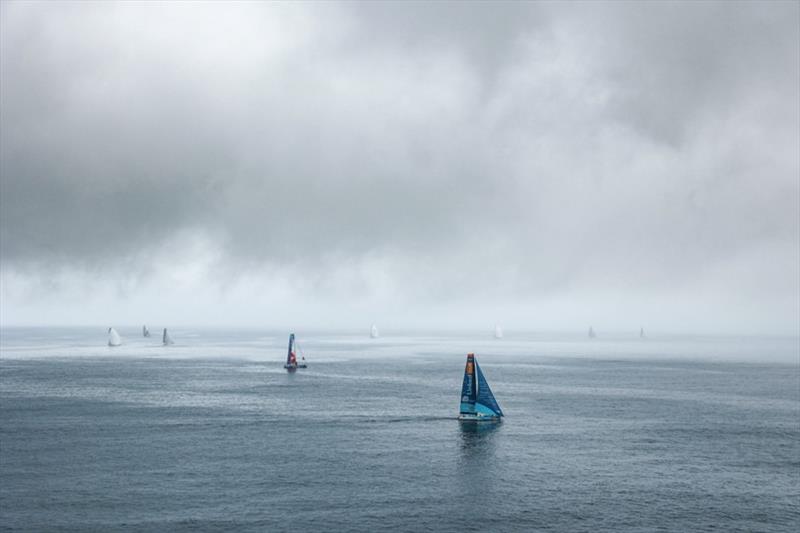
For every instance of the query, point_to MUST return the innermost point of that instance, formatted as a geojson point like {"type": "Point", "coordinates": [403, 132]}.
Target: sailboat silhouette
{"type": "Point", "coordinates": [477, 401]}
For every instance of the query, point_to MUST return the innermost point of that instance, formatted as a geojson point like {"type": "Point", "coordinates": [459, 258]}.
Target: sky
{"type": "Point", "coordinates": [542, 166]}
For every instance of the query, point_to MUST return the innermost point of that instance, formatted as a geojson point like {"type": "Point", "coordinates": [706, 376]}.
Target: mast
{"type": "Point", "coordinates": [474, 379]}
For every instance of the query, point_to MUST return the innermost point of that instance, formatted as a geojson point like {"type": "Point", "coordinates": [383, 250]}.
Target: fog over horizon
{"type": "Point", "coordinates": [542, 166]}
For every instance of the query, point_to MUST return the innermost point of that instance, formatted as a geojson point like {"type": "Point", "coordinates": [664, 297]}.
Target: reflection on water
{"type": "Point", "coordinates": [477, 438]}
{"type": "Point", "coordinates": [478, 465]}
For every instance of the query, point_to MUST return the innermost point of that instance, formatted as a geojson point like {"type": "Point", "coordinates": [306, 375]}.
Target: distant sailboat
{"type": "Point", "coordinates": [166, 339]}
{"type": "Point", "coordinates": [145, 331]}
{"type": "Point", "coordinates": [113, 337]}
{"type": "Point", "coordinates": [498, 332]}
{"type": "Point", "coordinates": [373, 333]}
{"type": "Point", "coordinates": [591, 333]}
{"type": "Point", "coordinates": [291, 358]}
{"type": "Point", "coordinates": [641, 333]}
{"type": "Point", "coordinates": [477, 401]}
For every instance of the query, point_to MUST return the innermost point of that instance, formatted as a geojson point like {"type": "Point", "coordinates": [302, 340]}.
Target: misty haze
{"type": "Point", "coordinates": [247, 247]}
{"type": "Point", "coordinates": [547, 166]}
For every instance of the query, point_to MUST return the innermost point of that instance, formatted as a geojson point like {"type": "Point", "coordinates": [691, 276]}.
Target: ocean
{"type": "Point", "coordinates": [612, 434]}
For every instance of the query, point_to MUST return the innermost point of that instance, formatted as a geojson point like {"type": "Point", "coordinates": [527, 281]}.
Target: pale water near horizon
{"type": "Point", "coordinates": [661, 434]}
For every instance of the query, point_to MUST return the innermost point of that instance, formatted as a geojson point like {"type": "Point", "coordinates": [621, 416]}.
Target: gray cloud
{"type": "Point", "coordinates": [474, 153]}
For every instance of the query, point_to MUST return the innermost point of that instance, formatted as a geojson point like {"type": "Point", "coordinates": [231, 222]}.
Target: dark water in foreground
{"type": "Point", "coordinates": [366, 440]}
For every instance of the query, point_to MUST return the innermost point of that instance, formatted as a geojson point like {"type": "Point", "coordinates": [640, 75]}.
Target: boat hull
{"type": "Point", "coordinates": [477, 417]}
{"type": "Point", "coordinates": [292, 368]}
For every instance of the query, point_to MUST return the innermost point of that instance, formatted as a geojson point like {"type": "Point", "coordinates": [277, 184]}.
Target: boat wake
{"type": "Point", "coordinates": [402, 419]}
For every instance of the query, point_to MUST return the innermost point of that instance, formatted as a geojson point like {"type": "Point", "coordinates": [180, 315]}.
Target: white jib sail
{"type": "Point", "coordinates": [498, 332]}
{"type": "Point", "coordinates": [113, 337]}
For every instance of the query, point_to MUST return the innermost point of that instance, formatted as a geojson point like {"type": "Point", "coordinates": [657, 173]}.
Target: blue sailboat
{"type": "Point", "coordinates": [291, 358]}
{"type": "Point", "coordinates": [477, 401]}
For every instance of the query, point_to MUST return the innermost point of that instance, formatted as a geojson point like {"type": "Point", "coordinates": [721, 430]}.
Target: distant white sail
{"type": "Point", "coordinates": [641, 333]}
{"type": "Point", "coordinates": [166, 339]}
{"type": "Point", "coordinates": [498, 332]}
{"type": "Point", "coordinates": [145, 331]}
{"type": "Point", "coordinates": [591, 333]}
{"type": "Point", "coordinates": [373, 333]}
{"type": "Point", "coordinates": [113, 337]}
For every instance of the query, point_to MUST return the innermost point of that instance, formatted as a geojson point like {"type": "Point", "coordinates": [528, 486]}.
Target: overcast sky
{"type": "Point", "coordinates": [537, 165]}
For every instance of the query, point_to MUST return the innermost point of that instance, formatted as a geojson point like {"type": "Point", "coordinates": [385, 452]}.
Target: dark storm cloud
{"type": "Point", "coordinates": [514, 148]}
{"type": "Point", "coordinates": [675, 66]}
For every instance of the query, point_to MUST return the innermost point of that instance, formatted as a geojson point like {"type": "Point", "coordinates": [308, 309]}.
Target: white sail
{"type": "Point", "coordinates": [498, 332]}
{"type": "Point", "coordinates": [591, 333]}
{"type": "Point", "coordinates": [373, 332]}
{"type": "Point", "coordinates": [641, 333]}
{"type": "Point", "coordinates": [113, 337]}
{"type": "Point", "coordinates": [145, 331]}
{"type": "Point", "coordinates": [166, 339]}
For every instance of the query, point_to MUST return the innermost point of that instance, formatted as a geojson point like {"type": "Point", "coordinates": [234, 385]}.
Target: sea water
{"type": "Point", "coordinates": [623, 434]}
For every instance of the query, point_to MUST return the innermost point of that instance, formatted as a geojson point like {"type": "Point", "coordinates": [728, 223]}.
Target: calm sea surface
{"type": "Point", "coordinates": [623, 434]}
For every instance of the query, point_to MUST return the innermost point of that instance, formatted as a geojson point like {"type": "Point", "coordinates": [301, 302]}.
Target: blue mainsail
{"type": "Point", "coordinates": [476, 396]}
{"type": "Point", "coordinates": [468, 390]}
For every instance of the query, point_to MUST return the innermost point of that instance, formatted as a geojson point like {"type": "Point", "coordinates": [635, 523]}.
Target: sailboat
{"type": "Point", "coordinates": [591, 333]}
{"type": "Point", "coordinates": [641, 333]}
{"type": "Point", "coordinates": [477, 401]}
{"type": "Point", "coordinates": [498, 332]}
{"type": "Point", "coordinates": [113, 337]}
{"type": "Point", "coordinates": [166, 339]}
{"type": "Point", "coordinates": [373, 332]}
{"type": "Point", "coordinates": [291, 358]}
{"type": "Point", "coordinates": [145, 331]}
